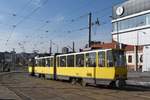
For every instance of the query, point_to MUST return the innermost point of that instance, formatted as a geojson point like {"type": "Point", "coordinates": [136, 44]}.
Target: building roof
{"type": "Point", "coordinates": [131, 48]}
{"type": "Point", "coordinates": [102, 45]}
{"type": "Point", "coordinates": [113, 45]}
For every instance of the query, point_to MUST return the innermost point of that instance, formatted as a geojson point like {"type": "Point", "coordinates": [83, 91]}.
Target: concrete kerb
{"type": "Point", "coordinates": [138, 83]}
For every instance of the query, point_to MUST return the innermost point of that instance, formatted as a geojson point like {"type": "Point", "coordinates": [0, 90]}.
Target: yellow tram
{"type": "Point", "coordinates": [106, 66]}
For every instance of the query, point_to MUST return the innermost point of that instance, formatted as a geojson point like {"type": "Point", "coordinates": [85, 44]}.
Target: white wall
{"type": "Point", "coordinates": [133, 63]}
{"type": "Point", "coordinates": [138, 37]}
{"type": "Point", "coordinates": [146, 58]}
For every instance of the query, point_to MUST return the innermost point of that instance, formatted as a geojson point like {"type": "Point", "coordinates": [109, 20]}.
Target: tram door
{"type": "Point", "coordinates": [56, 64]}
{"type": "Point", "coordinates": [101, 65]}
{"type": "Point", "coordinates": [104, 69]}
{"type": "Point", "coordinates": [91, 65]}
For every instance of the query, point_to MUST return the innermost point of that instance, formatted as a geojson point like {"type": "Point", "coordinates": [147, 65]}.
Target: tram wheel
{"type": "Point", "coordinates": [120, 83]}
{"type": "Point", "coordinates": [39, 75]}
{"type": "Point", "coordinates": [112, 84]}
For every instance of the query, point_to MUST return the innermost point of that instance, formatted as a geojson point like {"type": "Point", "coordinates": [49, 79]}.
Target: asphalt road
{"type": "Point", "coordinates": [21, 86]}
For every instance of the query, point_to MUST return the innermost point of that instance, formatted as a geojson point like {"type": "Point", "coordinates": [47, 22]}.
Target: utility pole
{"type": "Point", "coordinates": [13, 59]}
{"type": "Point", "coordinates": [73, 46]}
{"type": "Point", "coordinates": [90, 28]}
{"type": "Point", "coordinates": [136, 52]}
{"type": "Point", "coordinates": [50, 49]}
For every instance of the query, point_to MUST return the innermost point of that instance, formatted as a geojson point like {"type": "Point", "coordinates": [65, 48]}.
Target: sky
{"type": "Point", "coordinates": [28, 25]}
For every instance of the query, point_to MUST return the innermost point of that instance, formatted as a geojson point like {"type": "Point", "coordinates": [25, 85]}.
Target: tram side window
{"type": "Point", "coordinates": [36, 62]}
{"type": "Point", "coordinates": [63, 61]}
{"type": "Point", "coordinates": [91, 59]}
{"type": "Point", "coordinates": [32, 62]}
{"type": "Point", "coordinates": [48, 62]}
{"type": "Point", "coordinates": [119, 58]}
{"type": "Point", "coordinates": [40, 62]}
{"type": "Point", "coordinates": [109, 59]}
{"type": "Point", "coordinates": [101, 59]}
{"type": "Point", "coordinates": [70, 60]}
{"type": "Point", "coordinates": [51, 62]}
{"type": "Point", "coordinates": [80, 60]}
{"type": "Point", "coordinates": [57, 61]}
{"type": "Point", "coordinates": [43, 62]}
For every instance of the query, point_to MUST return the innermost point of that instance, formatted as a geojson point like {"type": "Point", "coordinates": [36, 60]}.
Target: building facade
{"type": "Point", "coordinates": [131, 58]}
{"type": "Point", "coordinates": [131, 26]}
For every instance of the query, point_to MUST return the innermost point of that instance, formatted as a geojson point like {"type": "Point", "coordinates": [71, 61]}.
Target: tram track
{"type": "Point", "coordinates": [22, 85]}
{"type": "Point", "coordinates": [18, 93]}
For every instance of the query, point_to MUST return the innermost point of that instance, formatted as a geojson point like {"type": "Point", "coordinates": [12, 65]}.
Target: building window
{"type": "Point", "coordinates": [129, 59]}
{"type": "Point", "coordinates": [101, 59]}
{"type": "Point", "coordinates": [148, 19]}
{"type": "Point", "coordinates": [63, 61]}
{"type": "Point", "coordinates": [91, 59]}
{"type": "Point", "coordinates": [70, 61]}
{"type": "Point", "coordinates": [80, 60]}
{"type": "Point", "coordinates": [132, 22]}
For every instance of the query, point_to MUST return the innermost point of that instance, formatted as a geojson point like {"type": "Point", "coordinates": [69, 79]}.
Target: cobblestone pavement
{"type": "Point", "coordinates": [21, 86]}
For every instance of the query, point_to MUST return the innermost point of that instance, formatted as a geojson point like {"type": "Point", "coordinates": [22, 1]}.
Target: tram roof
{"type": "Point", "coordinates": [44, 57]}
{"type": "Point", "coordinates": [73, 53]}
{"type": "Point", "coordinates": [84, 52]}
